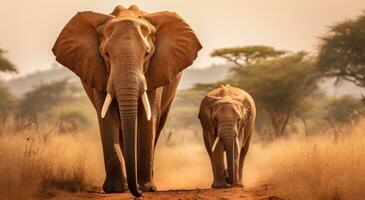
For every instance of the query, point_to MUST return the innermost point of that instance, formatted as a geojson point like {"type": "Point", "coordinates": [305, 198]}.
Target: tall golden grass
{"type": "Point", "coordinates": [318, 168]}
{"type": "Point", "coordinates": [37, 165]}
{"type": "Point", "coordinates": [33, 165]}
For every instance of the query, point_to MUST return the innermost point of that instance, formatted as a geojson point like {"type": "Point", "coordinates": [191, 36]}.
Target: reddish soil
{"type": "Point", "coordinates": [255, 193]}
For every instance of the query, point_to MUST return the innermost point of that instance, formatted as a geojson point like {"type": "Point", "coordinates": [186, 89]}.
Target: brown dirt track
{"type": "Point", "coordinates": [255, 193]}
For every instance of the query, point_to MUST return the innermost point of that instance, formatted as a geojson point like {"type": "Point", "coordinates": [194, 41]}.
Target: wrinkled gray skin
{"type": "Point", "coordinates": [228, 113]}
{"type": "Point", "coordinates": [132, 56]}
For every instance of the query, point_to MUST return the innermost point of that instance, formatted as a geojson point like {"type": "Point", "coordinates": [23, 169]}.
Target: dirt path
{"type": "Point", "coordinates": [256, 193]}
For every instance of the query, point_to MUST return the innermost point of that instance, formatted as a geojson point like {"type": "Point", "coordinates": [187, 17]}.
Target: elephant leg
{"type": "Point", "coordinates": [243, 154]}
{"type": "Point", "coordinates": [219, 174]}
{"type": "Point", "coordinates": [146, 138]}
{"type": "Point", "coordinates": [146, 142]}
{"type": "Point", "coordinates": [217, 161]}
{"type": "Point", "coordinates": [115, 180]}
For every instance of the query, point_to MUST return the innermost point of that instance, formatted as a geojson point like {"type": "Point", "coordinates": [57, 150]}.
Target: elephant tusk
{"type": "Point", "coordinates": [107, 102]}
{"type": "Point", "coordinates": [146, 105]}
{"type": "Point", "coordinates": [238, 144]}
{"type": "Point", "coordinates": [215, 143]}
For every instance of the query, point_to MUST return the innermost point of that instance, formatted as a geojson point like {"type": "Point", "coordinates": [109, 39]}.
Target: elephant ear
{"type": "Point", "coordinates": [176, 47]}
{"type": "Point", "coordinates": [205, 115]}
{"type": "Point", "coordinates": [245, 100]}
{"type": "Point", "coordinates": [77, 48]}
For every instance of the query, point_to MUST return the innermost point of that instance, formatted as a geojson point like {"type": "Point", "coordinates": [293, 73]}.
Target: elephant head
{"type": "Point", "coordinates": [225, 118]}
{"type": "Point", "coordinates": [124, 54]}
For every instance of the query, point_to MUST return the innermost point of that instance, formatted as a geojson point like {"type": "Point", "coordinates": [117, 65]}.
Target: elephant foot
{"type": "Point", "coordinates": [114, 186]}
{"type": "Point", "coordinates": [222, 184]}
{"type": "Point", "coordinates": [148, 187]}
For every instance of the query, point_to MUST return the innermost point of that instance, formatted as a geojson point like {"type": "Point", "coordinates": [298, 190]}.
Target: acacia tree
{"type": "Point", "coordinates": [6, 99]}
{"type": "Point", "coordinates": [279, 86]}
{"type": "Point", "coordinates": [7, 103]}
{"type": "Point", "coordinates": [242, 56]}
{"type": "Point", "coordinates": [5, 64]}
{"type": "Point", "coordinates": [41, 99]}
{"type": "Point", "coordinates": [342, 52]}
{"type": "Point", "coordinates": [344, 109]}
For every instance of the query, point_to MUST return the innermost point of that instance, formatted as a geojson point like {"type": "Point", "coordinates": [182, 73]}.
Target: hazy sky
{"type": "Point", "coordinates": [30, 27]}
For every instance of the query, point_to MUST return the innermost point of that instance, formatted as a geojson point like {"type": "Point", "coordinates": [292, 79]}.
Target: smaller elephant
{"type": "Point", "coordinates": [227, 115]}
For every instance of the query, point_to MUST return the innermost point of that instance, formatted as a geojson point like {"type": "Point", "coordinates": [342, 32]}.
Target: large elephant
{"type": "Point", "coordinates": [227, 115]}
{"type": "Point", "coordinates": [130, 63]}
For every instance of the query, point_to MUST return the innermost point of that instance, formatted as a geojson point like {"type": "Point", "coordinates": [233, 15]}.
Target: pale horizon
{"type": "Point", "coordinates": [29, 28]}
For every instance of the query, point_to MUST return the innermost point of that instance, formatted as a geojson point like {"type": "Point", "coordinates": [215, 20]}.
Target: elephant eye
{"type": "Point", "coordinates": [107, 54]}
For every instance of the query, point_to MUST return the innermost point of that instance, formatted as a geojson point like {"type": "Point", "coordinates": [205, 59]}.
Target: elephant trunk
{"type": "Point", "coordinates": [232, 161]}
{"type": "Point", "coordinates": [128, 107]}
{"type": "Point", "coordinates": [129, 90]}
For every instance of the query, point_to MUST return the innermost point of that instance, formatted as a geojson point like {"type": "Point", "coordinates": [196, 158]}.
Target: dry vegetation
{"type": "Point", "coordinates": [33, 165]}
{"type": "Point", "coordinates": [319, 168]}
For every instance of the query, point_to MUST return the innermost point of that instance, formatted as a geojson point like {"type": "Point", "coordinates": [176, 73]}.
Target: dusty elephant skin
{"type": "Point", "coordinates": [130, 64]}
{"type": "Point", "coordinates": [227, 115]}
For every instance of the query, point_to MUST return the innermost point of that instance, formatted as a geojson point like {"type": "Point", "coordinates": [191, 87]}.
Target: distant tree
{"type": "Point", "coordinates": [7, 103]}
{"type": "Point", "coordinates": [342, 52]}
{"type": "Point", "coordinates": [42, 98]}
{"type": "Point", "coordinates": [6, 98]}
{"type": "Point", "coordinates": [5, 64]}
{"type": "Point", "coordinates": [311, 111]}
{"type": "Point", "coordinates": [344, 109]}
{"type": "Point", "coordinates": [242, 56]}
{"type": "Point", "coordinates": [205, 87]}
{"type": "Point", "coordinates": [279, 86]}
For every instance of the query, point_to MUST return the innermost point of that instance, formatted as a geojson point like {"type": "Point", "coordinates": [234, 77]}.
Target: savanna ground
{"type": "Point", "coordinates": [36, 165]}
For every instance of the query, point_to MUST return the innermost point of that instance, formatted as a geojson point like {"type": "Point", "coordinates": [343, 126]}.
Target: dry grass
{"type": "Point", "coordinates": [74, 163]}
{"type": "Point", "coordinates": [300, 168]}
{"type": "Point", "coordinates": [33, 165]}
{"type": "Point", "coordinates": [318, 168]}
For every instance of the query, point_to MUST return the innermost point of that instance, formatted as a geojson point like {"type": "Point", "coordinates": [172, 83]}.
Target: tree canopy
{"type": "Point", "coordinates": [247, 55]}
{"type": "Point", "coordinates": [342, 52]}
{"type": "Point", "coordinates": [45, 96]}
{"type": "Point", "coordinates": [6, 98]}
{"type": "Point", "coordinates": [5, 64]}
{"type": "Point", "coordinates": [344, 109]}
{"type": "Point", "coordinates": [279, 85]}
